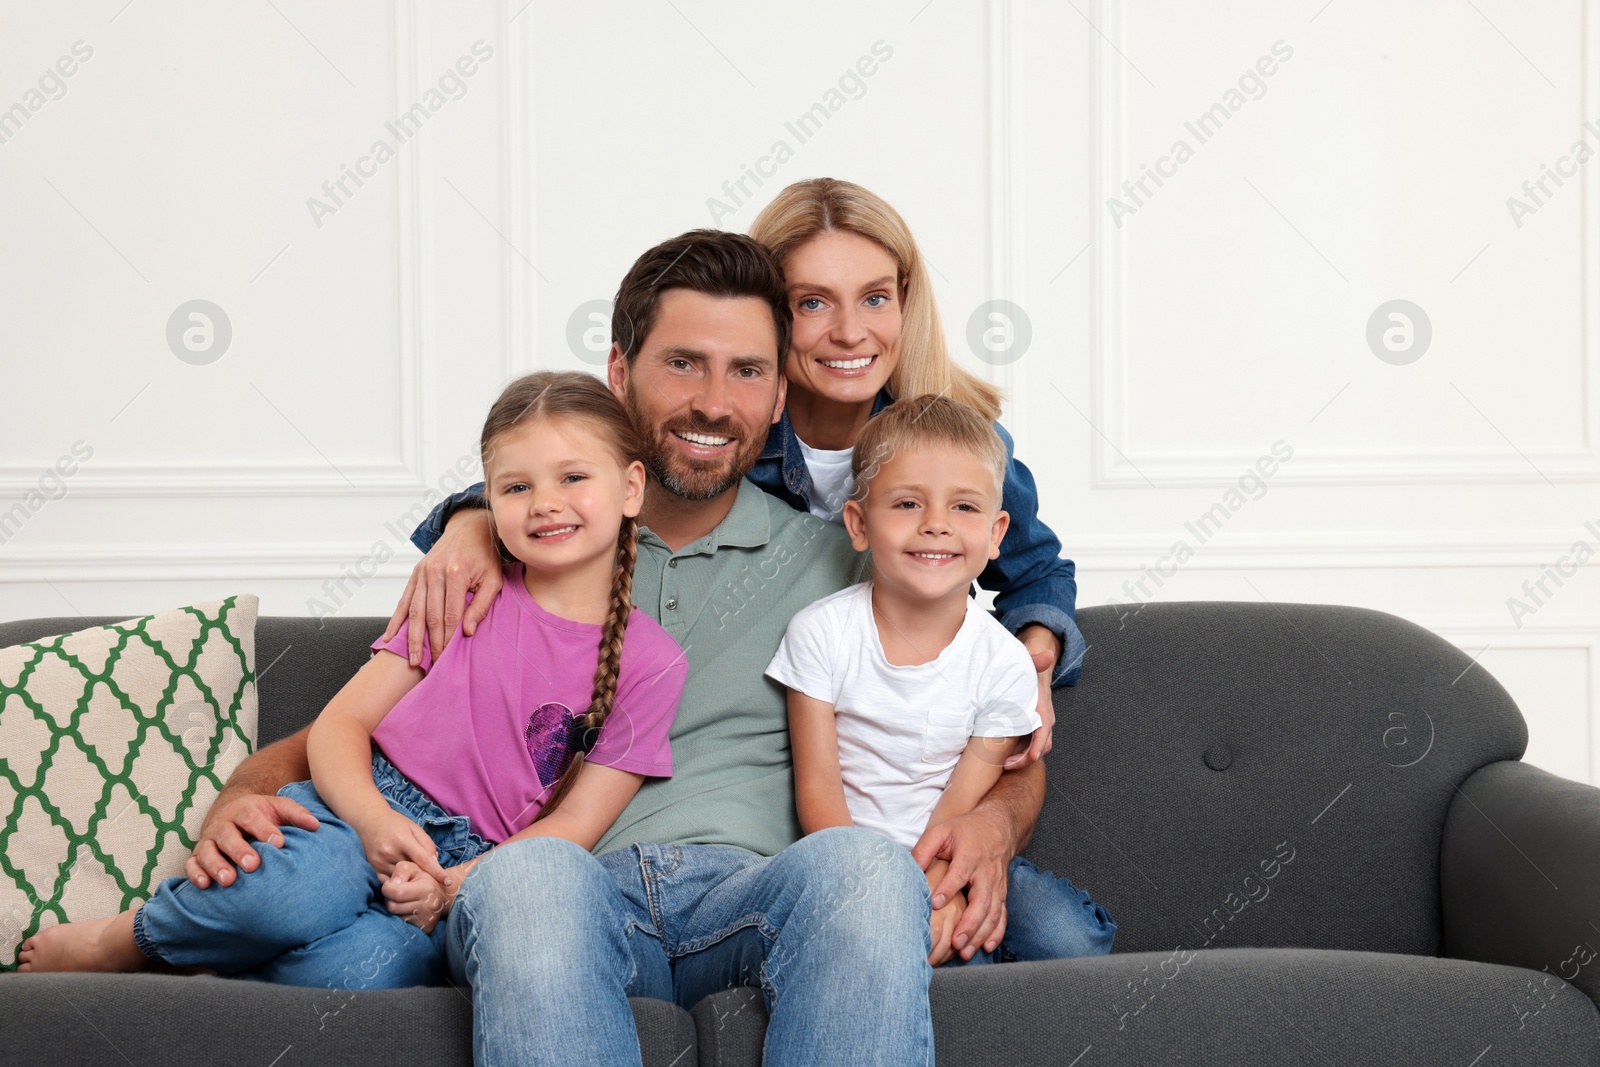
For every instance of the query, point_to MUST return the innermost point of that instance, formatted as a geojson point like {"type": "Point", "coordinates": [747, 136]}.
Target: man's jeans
{"type": "Point", "coordinates": [833, 930]}
{"type": "Point", "coordinates": [312, 913]}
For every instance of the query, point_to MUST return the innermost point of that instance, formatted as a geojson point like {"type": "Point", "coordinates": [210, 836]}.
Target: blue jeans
{"type": "Point", "coordinates": [1047, 918]}
{"type": "Point", "coordinates": [553, 940]}
{"type": "Point", "coordinates": [312, 913]}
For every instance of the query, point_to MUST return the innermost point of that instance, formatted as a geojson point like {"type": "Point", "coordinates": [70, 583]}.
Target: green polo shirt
{"type": "Point", "coordinates": [727, 599]}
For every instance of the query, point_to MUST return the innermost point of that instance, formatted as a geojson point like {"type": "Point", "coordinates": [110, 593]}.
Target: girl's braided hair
{"type": "Point", "coordinates": [575, 395]}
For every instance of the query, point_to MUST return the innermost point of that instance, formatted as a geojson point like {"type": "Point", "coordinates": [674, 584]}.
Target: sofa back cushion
{"type": "Point", "coordinates": [1233, 774]}
{"type": "Point", "coordinates": [314, 659]}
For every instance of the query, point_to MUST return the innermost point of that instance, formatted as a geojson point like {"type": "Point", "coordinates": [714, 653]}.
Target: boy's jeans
{"type": "Point", "coordinates": [833, 931]}
{"type": "Point", "coordinates": [1047, 918]}
{"type": "Point", "coordinates": [313, 912]}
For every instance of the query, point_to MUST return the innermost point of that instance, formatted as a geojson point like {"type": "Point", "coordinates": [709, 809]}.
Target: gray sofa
{"type": "Point", "coordinates": [1310, 823]}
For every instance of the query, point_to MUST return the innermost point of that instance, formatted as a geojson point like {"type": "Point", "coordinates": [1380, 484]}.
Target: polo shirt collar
{"type": "Point", "coordinates": [748, 524]}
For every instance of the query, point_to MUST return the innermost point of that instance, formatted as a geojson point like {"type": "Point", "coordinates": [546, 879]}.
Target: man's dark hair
{"type": "Point", "coordinates": [713, 262]}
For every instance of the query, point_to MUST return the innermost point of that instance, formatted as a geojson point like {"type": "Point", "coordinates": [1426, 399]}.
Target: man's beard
{"type": "Point", "coordinates": [686, 478]}
{"type": "Point", "coordinates": [697, 483]}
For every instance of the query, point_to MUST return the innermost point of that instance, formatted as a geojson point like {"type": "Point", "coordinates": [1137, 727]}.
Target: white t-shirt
{"type": "Point", "coordinates": [902, 729]}
{"type": "Point", "coordinates": [830, 480]}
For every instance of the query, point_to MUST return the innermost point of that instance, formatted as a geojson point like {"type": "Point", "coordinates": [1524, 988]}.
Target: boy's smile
{"type": "Point", "coordinates": [933, 522]}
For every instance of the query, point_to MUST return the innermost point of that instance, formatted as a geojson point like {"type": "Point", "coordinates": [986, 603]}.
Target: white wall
{"type": "Point", "coordinates": [1177, 335]}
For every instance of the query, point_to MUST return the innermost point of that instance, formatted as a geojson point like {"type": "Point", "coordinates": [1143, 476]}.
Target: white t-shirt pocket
{"type": "Point", "coordinates": [945, 735]}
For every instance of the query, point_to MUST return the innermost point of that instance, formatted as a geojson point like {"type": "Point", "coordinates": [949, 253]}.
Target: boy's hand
{"type": "Point", "coordinates": [976, 857]}
{"type": "Point", "coordinates": [1045, 648]}
{"type": "Point", "coordinates": [944, 928]}
{"type": "Point", "coordinates": [390, 837]}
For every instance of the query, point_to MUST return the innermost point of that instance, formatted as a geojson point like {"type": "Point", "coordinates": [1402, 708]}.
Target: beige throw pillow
{"type": "Point", "coordinates": [113, 743]}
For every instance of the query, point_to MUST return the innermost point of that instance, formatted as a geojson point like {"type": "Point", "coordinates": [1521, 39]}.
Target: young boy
{"type": "Point", "coordinates": [904, 696]}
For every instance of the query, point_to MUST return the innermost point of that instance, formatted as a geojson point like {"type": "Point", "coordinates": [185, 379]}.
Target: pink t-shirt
{"type": "Point", "coordinates": [464, 734]}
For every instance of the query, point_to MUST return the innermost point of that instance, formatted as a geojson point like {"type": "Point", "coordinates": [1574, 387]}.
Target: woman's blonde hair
{"type": "Point", "coordinates": [820, 205]}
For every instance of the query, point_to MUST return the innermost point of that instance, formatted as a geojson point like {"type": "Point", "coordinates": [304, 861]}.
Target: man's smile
{"type": "Point", "coordinates": [704, 440]}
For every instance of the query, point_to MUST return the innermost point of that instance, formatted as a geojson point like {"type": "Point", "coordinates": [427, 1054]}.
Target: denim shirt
{"type": "Point", "coordinates": [1032, 583]}
{"type": "Point", "coordinates": [1030, 580]}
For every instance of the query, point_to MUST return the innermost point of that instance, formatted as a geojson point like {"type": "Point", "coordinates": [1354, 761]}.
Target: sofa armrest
{"type": "Point", "coordinates": [1519, 873]}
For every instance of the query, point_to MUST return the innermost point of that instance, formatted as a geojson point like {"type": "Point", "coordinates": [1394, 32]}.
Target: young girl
{"type": "Point", "coordinates": [417, 771]}
{"type": "Point", "coordinates": [866, 331]}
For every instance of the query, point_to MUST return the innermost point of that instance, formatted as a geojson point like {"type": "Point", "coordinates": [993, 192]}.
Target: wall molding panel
{"type": "Point", "coordinates": [414, 362]}
{"type": "Point", "coordinates": [1117, 459]}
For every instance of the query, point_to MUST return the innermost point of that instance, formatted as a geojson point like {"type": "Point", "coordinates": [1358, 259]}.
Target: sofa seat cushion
{"type": "Point", "coordinates": [117, 1019]}
{"type": "Point", "coordinates": [1227, 1007]}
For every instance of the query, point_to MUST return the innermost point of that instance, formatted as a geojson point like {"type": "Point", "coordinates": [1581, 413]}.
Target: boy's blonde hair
{"type": "Point", "coordinates": [919, 422]}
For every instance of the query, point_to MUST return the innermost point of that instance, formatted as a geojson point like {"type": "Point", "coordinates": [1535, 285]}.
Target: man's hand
{"type": "Point", "coordinates": [1045, 647]}
{"type": "Point", "coordinates": [389, 838]}
{"type": "Point", "coordinates": [435, 599]}
{"type": "Point", "coordinates": [223, 837]}
{"type": "Point", "coordinates": [978, 848]}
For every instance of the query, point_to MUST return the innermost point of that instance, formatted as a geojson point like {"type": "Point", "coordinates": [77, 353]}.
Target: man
{"type": "Point", "coordinates": [553, 939]}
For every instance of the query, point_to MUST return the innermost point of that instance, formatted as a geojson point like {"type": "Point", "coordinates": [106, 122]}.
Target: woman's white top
{"type": "Point", "coordinates": [830, 480]}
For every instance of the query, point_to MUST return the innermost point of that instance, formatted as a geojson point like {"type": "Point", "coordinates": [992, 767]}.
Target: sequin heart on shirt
{"type": "Point", "coordinates": [554, 734]}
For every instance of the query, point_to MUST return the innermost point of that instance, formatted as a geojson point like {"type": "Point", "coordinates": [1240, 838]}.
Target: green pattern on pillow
{"type": "Point", "coordinates": [113, 743]}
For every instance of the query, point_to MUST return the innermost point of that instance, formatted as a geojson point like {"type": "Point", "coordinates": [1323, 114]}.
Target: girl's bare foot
{"type": "Point", "coordinates": [98, 945]}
